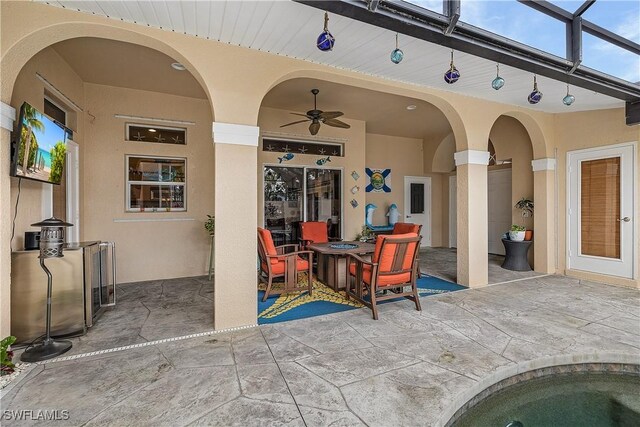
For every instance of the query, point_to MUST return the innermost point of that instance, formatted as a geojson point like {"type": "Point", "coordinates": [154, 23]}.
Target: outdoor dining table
{"type": "Point", "coordinates": [332, 262]}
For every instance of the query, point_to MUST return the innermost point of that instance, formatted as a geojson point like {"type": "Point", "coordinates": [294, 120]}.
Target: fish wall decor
{"type": "Point", "coordinates": [323, 160]}
{"type": "Point", "coordinates": [286, 157]}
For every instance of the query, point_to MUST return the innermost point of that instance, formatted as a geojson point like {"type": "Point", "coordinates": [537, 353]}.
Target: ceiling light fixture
{"type": "Point", "coordinates": [397, 54]}
{"type": "Point", "coordinates": [411, 107]}
{"type": "Point", "coordinates": [152, 130]}
{"type": "Point", "coordinates": [568, 99]}
{"type": "Point", "coordinates": [452, 75]}
{"type": "Point", "coordinates": [535, 96]}
{"type": "Point", "coordinates": [178, 66]}
{"type": "Point", "coordinates": [498, 82]}
{"type": "Point", "coordinates": [325, 40]}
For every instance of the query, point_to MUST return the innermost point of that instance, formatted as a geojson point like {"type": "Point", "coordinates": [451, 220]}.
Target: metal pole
{"type": "Point", "coordinates": [47, 339]}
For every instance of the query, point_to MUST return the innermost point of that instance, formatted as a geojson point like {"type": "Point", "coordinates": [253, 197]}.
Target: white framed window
{"type": "Point", "coordinates": [156, 184]}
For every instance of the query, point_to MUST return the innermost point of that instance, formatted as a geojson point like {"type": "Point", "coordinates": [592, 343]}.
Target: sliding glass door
{"type": "Point", "coordinates": [324, 198]}
{"type": "Point", "coordinates": [295, 194]}
{"type": "Point", "coordinates": [283, 199]}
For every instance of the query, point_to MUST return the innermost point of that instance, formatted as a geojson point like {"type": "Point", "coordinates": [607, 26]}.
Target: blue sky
{"type": "Point", "coordinates": [523, 24]}
{"type": "Point", "coordinates": [51, 135]}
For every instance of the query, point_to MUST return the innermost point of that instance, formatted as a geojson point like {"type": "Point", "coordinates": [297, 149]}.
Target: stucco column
{"type": "Point", "coordinates": [7, 117]}
{"type": "Point", "coordinates": [472, 217]}
{"type": "Point", "coordinates": [544, 215]}
{"type": "Point", "coordinates": [236, 157]}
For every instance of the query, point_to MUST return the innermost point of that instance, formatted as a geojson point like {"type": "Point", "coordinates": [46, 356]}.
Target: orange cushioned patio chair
{"type": "Point", "coordinates": [275, 263]}
{"type": "Point", "coordinates": [393, 267]}
{"type": "Point", "coordinates": [406, 227]}
{"type": "Point", "coordinates": [314, 232]}
{"type": "Point", "coordinates": [409, 227]}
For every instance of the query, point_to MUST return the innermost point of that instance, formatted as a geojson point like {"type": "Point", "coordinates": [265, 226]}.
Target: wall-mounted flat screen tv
{"type": "Point", "coordinates": [40, 147]}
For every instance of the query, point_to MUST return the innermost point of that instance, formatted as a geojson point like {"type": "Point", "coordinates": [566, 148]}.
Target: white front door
{"type": "Point", "coordinates": [417, 205]}
{"type": "Point", "coordinates": [499, 208]}
{"type": "Point", "coordinates": [601, 217]}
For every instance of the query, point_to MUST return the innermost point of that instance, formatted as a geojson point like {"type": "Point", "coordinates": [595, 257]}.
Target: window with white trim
{"type": "Point", "coordinates": [156, 184]}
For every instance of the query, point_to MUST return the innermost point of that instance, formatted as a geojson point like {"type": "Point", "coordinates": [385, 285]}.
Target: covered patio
{"type": "Point", "coordinates": [174, 117]}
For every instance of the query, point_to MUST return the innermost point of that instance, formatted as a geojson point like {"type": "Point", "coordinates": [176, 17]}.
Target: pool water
{"type": "Point", "coordinates": [574, 399]}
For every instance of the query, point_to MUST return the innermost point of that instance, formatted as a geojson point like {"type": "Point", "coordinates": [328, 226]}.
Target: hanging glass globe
{"type": "Point", "coordinates": [452, 75]}
{"type": "Point", "coordinates": [498, 82]}
{"type": "Point", "coordinates": [396, 56]}
{"type": "Point", "coordinates": [568, 99]}
{"type": "Point", "coordinates": [535, 96]}
{"type": "Point", "coordinates": [325, 40]}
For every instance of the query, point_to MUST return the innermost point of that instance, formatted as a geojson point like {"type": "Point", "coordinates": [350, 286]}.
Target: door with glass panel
{"type": "Point", "coordinates": [295, 194]}
{"type": "Point", "coordinates": [324, 198]}
{"type": "Point", "coordinates": [283, 202]}
{"type": "Point", "coordinates": [601, 210]}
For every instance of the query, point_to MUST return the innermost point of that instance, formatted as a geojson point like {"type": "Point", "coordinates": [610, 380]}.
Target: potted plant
{"type": "Point", "coordinates": [526, 207]}
{"type": "Point", "coordinates": [365, 235]}
{"type": "Point", "coordinates": [516, 233]}
{"type": "Point", "coordinates": [210, 225]}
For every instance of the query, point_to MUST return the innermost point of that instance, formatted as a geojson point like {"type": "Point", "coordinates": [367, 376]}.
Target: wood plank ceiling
{"type": "Point", "coordinates": [290, 29]}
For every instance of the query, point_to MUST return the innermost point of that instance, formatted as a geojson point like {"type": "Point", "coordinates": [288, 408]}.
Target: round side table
{"type": "Point", "coordinates": [516, 255]}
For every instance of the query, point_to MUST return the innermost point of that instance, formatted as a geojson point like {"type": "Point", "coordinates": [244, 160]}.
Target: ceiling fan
{"type": "Point", "coordinates": [317, 117]}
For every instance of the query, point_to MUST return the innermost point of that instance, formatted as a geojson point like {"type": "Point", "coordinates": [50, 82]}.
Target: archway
{"type": "Point", "coordinates": [143, 130]}
{"type": "Point", "coordinates": [518, 140]}
{"type": "Point", "coordinates": [387, 131]}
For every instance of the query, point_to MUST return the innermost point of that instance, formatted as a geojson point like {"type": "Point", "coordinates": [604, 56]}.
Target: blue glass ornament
{"type": "Point", "coordinates": [325, 40]}
{"type": "Point", "coordinates": [535, 96]}
{"type": "Point", "coordinates": [568, 99]}
{"type": "Point", "coordinates": [452, 75]}
{"type": "Point", "coordinates": [498, 82]}
{"type": "Point", "coordinates": [397, 54]}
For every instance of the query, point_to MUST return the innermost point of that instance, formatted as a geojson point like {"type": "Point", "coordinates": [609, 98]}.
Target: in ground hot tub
{"type": "Point", "coordinates": [568, 395]}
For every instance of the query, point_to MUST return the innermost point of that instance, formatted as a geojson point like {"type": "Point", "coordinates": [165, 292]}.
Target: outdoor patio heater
{"type": "Point", "coordinates": [51, 242]}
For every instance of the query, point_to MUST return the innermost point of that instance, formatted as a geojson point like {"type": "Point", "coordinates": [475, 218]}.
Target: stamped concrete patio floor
{"type": "Point", "coordinates": [409, 368]}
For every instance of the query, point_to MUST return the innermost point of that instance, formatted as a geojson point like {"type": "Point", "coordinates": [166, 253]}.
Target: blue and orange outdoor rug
{"type": "Point", "coordinates": [325, 300]}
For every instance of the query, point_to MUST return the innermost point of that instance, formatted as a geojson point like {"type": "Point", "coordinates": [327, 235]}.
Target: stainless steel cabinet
{"type": "Point", "coordinates": [83, 285]}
